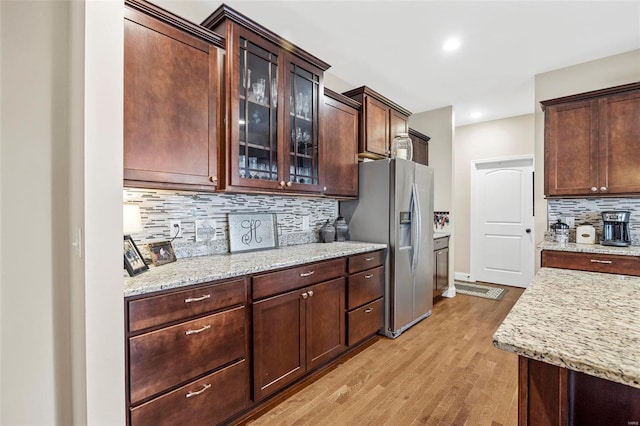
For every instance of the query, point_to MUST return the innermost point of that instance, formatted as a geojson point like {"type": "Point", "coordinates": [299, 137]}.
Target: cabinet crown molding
{"type": "Point", "coordinates": [370, 92]}
{"type": "Point", "coordinates": [178, 22]}
{"type": "Point", "coordinates": [416, 133]}
{"type": "Point", "coordinates": [225, 12]}
{"type": "Point", "coordinates": [342, 98]}
{"type": "Point", "coordinates": [590, 95]}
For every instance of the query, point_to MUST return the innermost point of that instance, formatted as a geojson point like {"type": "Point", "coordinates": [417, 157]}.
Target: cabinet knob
{"type": "Point", "coordinates": [324, 188]}
{"type": "Point", "coordinates": [603, 189]}
{"type": "Point", "coordinates": [289, 184]}
{"type": "Point", "coordinates": [304, 295]}
{"type": "Point", "coordinates": [310, 293]}
{"type": "Point", "coordinates": [594, 189]}
{"type": "Point", "coordinates": [213, 179]}
{"type": "Point", "coordinates": [281, 183]}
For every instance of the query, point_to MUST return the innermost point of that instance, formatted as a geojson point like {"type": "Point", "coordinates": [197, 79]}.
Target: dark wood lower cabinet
{"type": "Point", "coordinates": [550, 395]}
{"type": "Point", "coordinates": [296, 332]}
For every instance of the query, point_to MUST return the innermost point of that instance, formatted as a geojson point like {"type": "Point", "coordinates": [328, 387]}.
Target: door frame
{"type": "Point", "coordinates": [475, 226]}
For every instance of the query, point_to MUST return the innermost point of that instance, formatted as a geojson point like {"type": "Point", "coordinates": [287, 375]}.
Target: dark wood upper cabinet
{"type": "Point", "coordinates": [591, 143]}
{"type": "Point", "coordinates": [340, 145]}
{"type": "Point", "coordinates": [380, 121]}
{"type": "Point", "coordinates": [274, 93]}
{"type": "Point", "coordinates": [171, 100]}
{"type": "Point", "coordinates": [420, 147]}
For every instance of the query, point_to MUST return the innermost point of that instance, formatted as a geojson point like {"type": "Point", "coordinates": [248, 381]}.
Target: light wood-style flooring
{"type": "Point", "coordinates": [442, 371]}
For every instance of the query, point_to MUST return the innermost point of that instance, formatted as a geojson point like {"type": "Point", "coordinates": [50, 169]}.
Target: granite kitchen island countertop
{"type": "Point", "coordinates": [583, 321]}
{"type": "Point", "coordinates": [201, 269]}
{"type": "Point", "coordinates": [590, 248]}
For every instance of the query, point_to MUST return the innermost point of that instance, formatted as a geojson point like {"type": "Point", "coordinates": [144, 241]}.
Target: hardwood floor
{"type": "Point", "coordinates": [442, 371]}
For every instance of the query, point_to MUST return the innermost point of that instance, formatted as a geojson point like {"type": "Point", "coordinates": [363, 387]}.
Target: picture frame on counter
{"type": "Point", "coordinates": [252, 231]}
{"type": "Point", "coordinates": [133, 261]}
{"type": "Point", "coordinates": [161, 253]}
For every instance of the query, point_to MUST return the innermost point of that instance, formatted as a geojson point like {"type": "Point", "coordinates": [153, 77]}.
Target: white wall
{"type": "Point", "coordinates": [492, 139]}
{"type": "Point", "coordinates": [598, 74]}
{"type": "Point", "coordinates": [49, 121]}
{"type": "Point", "coordinates": [438, 124]}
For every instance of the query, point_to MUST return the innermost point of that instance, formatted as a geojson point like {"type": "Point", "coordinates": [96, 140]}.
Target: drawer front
{"type": "Point", "coordinates": [207, 401]}
{"type": "Point", "coordinates": [265, 285]}
{"type": "Point", "coordinates": [365, 261]}
{"type": "Point", "coordinates": [364, 287]}
{"type": "Point", "coordinates": [365, 321]}
{"type": "Point", "coordinates": [440, 243]}
{"type": "Point", "coordinates": [167, 357]}
{"type": "Point", "coordinates": [175, 306]}
{"type": "Point", "coordinates": [624, 265]}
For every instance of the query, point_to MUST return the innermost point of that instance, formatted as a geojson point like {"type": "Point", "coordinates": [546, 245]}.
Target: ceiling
{"type": "Point", "coordinates": [394, 47]}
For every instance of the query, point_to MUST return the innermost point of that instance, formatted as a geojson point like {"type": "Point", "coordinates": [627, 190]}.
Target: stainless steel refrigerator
{"type": "Point", "coordinates": [395, 207]}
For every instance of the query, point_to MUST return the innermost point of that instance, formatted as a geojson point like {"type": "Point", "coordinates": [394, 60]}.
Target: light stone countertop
{"type": "Point", "coordinates": [591, 248]}
{"type": "Point", "coordinates": [201, 269]}
{"type": "Point", "coordinates": [584, 321]}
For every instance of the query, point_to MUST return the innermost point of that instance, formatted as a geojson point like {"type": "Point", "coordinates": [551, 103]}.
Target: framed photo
{"type": "Point", "coordinates": [133, 260]}
{"type": "Point", "coordinates": [252, 231]}
{"type": "Point", "coordinates": [162, 253]}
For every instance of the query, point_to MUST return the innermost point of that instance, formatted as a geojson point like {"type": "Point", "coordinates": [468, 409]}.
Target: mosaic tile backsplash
{"type": "Point", "coordinates": [588, 211]}
{"type": "Point", "coordinates": [159, 207]}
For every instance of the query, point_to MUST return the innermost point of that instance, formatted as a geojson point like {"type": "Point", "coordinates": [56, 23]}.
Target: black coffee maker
{"type": "Point", "coordinates": [615, 231]}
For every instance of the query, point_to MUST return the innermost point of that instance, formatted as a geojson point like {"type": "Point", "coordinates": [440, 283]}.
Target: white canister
{"type": "Point", "coordinates": [585, 234]}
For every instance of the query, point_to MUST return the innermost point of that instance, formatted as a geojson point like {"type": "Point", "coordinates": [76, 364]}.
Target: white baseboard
{"type": "Point", "coordinates": [463, 276]}
{"type": "Point", "coordinates": [449, 292]}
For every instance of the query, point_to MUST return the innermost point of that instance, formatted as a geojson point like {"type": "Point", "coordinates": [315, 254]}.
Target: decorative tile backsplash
{"type": "Point", "coordinates": [589, 210]}
{"type": "Point", "coordinates": [159, 207]}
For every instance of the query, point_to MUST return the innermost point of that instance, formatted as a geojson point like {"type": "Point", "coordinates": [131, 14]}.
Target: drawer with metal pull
{"type": "Point", "coordinates": [208, 400]}
{"type": "Point", "coordinates": [269, 284]}
{"type": "Point", "coordinates": [167, 357]}
{"type": "Point", "coordinates": [608, 263]}
{"type": "Point", "coordinates": [365, 321]}
{"type": "Point", "coordinates": [365, 286]}
{"type": "Point", "coordinates": [361, 262]}
{"type": "Point", "coordinates": [147, 312]}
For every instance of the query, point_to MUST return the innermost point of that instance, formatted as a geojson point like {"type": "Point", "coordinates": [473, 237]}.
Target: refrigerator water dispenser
{"type": "Point", "coordinates": [405, 230]}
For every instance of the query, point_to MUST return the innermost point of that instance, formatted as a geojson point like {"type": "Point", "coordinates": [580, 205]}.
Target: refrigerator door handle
{"type": "Point", "coordinates": [417, 219]}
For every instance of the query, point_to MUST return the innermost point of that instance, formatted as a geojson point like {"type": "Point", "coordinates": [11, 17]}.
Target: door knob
{"type": "Point", "coordinates": [528, 230]}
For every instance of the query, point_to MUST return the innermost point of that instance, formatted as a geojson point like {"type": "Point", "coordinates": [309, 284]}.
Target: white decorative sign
{"type": "Point", "coordinates": [205, 230]}
{"type": "Point", "coordinates": [252, 231]}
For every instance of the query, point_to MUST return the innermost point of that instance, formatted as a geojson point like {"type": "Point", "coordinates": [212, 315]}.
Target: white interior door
{"type": "Point", "coordinates": [502, 221]}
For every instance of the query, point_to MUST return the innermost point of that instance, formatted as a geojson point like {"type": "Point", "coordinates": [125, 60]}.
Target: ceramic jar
{"type": "Point", "coordinates": [327, 232]}
{"type": "Point", "coordinates": [342, 229]}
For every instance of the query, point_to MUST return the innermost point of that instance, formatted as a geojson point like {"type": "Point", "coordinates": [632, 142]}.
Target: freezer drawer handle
{"type": "Point", "coordinates": [197, 299]}
{"type": "Point", "coordinates": [366, 277]}
{"type": "Point", "coordinates": [368, 310]}
{"type": "Point", "coordinates": [200, 330]}
{"type": "Point", "coordinates": [306, 274]}
{"type": "Point", "coordinates": [601, 261]}
{"type": "Point", "coordinates": [196, 393]}
{"type": "Point", "coordinates": [368, 259]}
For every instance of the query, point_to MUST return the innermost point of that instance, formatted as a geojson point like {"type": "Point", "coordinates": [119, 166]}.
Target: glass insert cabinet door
{"type": "Point", "coordinates": [258, 153]}
{"type": "Point", "coordinates": [303, 97]}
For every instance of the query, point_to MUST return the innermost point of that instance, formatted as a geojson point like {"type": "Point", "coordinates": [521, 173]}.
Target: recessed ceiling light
{"type": "Point", "coordinates": [451, 44]}
{"type": "Point", "coordinates": [475, 115]}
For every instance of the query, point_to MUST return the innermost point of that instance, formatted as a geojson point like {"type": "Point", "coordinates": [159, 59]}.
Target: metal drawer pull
{"type": "Point", "coordinates": [304, 295]}
{"type": "Point", "coordinates": [196, 393]}
{"type": "Point", "coordinates": [368, 310]}
{"type": "Point", "coordinates": [306, 274]}
{"type": "Point", "coordinates": [200, 330]}
{"type": "Point", "coordinates": [197, 299]}
{"type": "Point", "coordinates": [367, 259]}
{"type": "Point", "coordinates": [601, 261]}
{"type": "Point", "coordinates": [366, 277]}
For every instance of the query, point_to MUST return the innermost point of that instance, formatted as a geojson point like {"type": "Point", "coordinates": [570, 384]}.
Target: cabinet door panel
{"type": "Point", "coordinates": [325, 322]}
{"type": "Point", "coordinates": [618, 143]}
{"type": "Point", "coordinates": [170, 92]}
{"type": "Point", "coordinates": [376, 134]}
{"type": "Point", "coordinates": [278, 342]}
{"type": "Point", "coordinates": [571, 150]}
{"type": "Point", "coordinates": [442, 268]}
{"type": "Point", "coordinates": [207, 401]}
{"type": "Point", "coordinates": [398, 123]}
{"type": "Point", "coordinates": [172, 355]}
{"type": "Point", "coordinates": [340, 149]}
